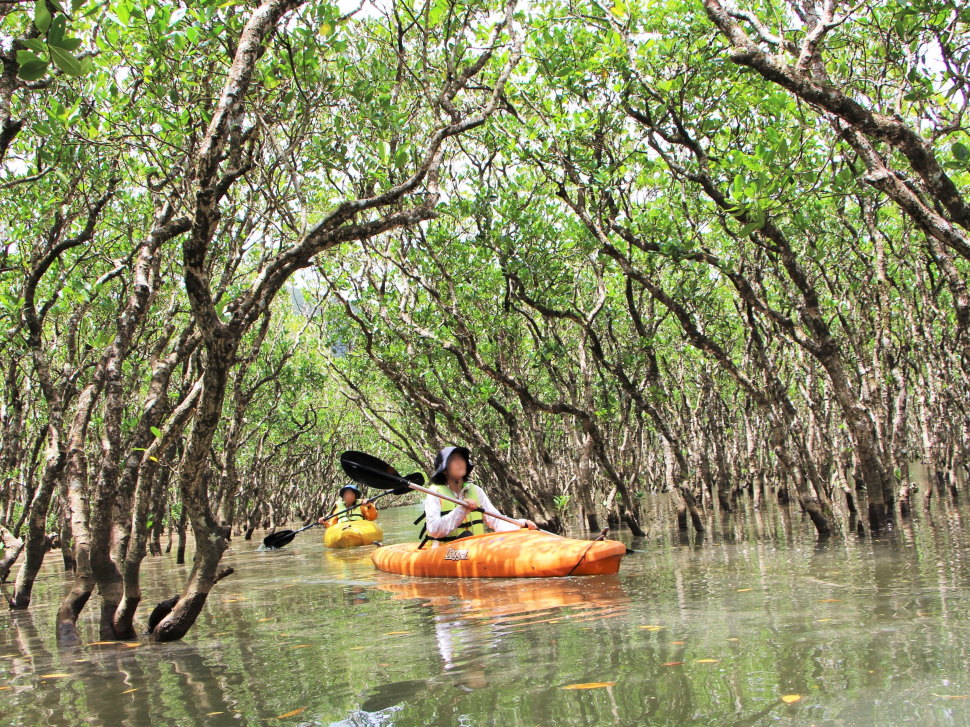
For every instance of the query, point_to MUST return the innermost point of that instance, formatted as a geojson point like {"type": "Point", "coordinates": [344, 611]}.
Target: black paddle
{"type": "Point", "coordinates": [285, 537]}
{"type": "Point", "coordinates": [369, 470]}
{"type": "Point", "coordinates": [373, 472]}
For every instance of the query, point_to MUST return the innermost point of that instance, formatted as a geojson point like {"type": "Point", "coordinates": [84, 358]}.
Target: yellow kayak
{"type": "Point", "coordinates": [352, 534]}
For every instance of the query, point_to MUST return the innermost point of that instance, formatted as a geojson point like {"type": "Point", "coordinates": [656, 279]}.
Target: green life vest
{"type": "Point", "coordinates": [351, 515]}
{"type": "Point", "coordinates": [474, 523]}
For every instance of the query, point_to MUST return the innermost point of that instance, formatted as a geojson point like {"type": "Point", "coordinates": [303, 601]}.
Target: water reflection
{"type": "Point", "coordinates": [710, 631]}
{"type": "Point", "coordinates": [473, 617]}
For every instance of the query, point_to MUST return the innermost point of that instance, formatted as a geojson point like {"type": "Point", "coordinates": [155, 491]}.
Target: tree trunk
{"type": "Point", "coordinates": [36, 546]}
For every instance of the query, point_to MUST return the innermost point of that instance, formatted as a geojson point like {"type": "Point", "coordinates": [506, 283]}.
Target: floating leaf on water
{"type": "Point", "coordinates": [672, 663]}
{"type": "Point", "coordinates": [103, 643]}
{"type": "Point", "coordinates": [356, 648]}
{"type": "Point", "coordinates": [129, 691]}
{"type": "Point", "coordinates": [5, 688]}
{"type": "Point", "coordinates": [791, 698]}
{"type": "Point", "coordinates": [301, 646]}
{"type": "Point", "coordinates": [743, 590]}
{"type": "Point", "coordinates": [133, 644]}
{"type": "Point", "coordinates": [829, 600]}
{"type": "Point", "coordinates": [706, 661]}
{"type": "Point", "coordinates": [213, 714]}
{"type": "Point", "coordinates": [291, 713]}
{"type": "Point", "coordinates": [733, 638]}
{"type": "Point", "coordinates": [951, 696]}
{"type": "Point", "coordinates": [55, 675]}
{"type": "Point", "coordinates": [396, 633]}
{"type": "Point", "coordinates": [651, 627]}
{"type": "Point", "coordinates": [822, 620]}
{"type": "Point", "coordinates": [263, 620]}
{"type": "Point", "coordinates": [590, 685]}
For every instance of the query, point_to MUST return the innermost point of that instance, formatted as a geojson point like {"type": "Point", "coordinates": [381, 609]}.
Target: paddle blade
{"type": "Point", "coordinates": [278, 540]}
{"type": "Point", "coordinates": [369, 470]}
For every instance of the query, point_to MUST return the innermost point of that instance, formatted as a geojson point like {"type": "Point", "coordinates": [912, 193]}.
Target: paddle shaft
{"type": "Point", "coordinates": [477, 509]}
{"type": "Point", "coordinates": [427, 491]}
{"type": "Point", "coordinates": [464, 504]}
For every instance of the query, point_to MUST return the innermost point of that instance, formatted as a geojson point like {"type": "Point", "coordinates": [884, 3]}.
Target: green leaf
{"type": "Point", "coordinates": [751, 227]}
{"type": "Point", "coordinates": [25, 56]}
{"type": "Point", "coordinates": [156, 431]}
{"type": "Point", "coordinates": [960, 151]}
{"type": "Point", "coordinates": [68, 43]}
{"type": "Point", "coordinates": [35, 44]}
{"type": "Point", "coordinates": [42, 16]}
{"type": "Point", "coordinates": [33, 71]}
{"type": "Point", "coordinates": [55, 36]}
{"type": "Point", "coordinates": [437, 12]}
{"type": "Point", "coordinates": [65, 61]}
{"type": "Point", "coordinates": [737, 187]}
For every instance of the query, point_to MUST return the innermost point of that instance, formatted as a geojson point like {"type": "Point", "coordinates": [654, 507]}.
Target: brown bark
{"type": "Point", "coordinates": [12, 547]}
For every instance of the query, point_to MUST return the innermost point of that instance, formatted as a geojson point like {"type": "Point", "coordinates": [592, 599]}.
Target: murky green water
{"type": "Point", "coordinates": [710, 633]}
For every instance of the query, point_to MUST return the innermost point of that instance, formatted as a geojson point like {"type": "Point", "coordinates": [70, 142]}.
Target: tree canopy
{"type": "Point", "coordinates": [617, 249]}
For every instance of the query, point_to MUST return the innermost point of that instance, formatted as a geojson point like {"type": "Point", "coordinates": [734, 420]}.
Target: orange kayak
{"type": "Point", "coordinates": [516, 554]}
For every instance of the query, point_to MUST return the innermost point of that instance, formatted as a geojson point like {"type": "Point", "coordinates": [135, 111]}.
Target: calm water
{"type": "Point", "coordinates": [709, 633]}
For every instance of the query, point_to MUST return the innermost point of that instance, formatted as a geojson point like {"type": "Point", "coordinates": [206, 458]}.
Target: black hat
{"type": "Point", "coordinates": [441, 463]}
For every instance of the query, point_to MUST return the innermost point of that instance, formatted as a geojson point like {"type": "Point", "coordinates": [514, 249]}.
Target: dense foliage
{"type": "Point", "coordinates": [677, 247]}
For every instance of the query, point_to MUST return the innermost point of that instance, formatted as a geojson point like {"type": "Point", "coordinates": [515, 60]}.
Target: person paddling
{"type": "Point", "coordinates": [350, 495]}
{"type": "Point", "coordinates": [446, 521]}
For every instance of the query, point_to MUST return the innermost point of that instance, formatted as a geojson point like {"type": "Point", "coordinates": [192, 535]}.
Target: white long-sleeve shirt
{"type": "Point", "coordinates": [439, 526]}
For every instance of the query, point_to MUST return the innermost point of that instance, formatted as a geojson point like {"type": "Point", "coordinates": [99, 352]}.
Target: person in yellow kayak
{"type": "Point", "coordinates": [445, 521]}
{"type": "Point", "coordinates": [350, 495]}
